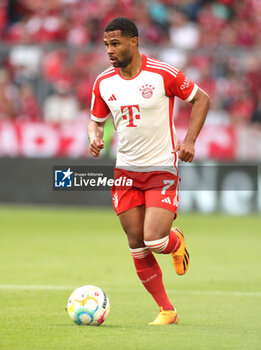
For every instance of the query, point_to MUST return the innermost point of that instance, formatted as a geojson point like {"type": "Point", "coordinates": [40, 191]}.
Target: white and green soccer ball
{"type": "Point", "coordinates": [88, 305]}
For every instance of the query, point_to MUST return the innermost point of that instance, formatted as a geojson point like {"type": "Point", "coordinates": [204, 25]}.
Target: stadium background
{"type": "Point", "coordinates": [51, 52]}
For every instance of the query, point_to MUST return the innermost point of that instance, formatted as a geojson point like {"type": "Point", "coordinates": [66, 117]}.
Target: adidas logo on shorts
{"type": "Point", "coordinates": [166, 200]}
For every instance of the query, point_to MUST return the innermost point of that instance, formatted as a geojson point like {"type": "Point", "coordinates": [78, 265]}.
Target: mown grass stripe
{"type": "Point", "coordinates": [138, 290]}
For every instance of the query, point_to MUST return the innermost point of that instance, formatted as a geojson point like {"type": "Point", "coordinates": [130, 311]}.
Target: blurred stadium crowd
{"type": "Point", "coordinates": [51, 51]}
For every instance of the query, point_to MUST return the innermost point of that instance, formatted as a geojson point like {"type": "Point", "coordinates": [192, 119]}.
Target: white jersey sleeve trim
{"type": "Point", "coordinates": [193, 93]}
{"type": "Point", "coordinates": [99, 120]}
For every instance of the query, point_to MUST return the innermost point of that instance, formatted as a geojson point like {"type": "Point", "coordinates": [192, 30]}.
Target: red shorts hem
{"type": "Point", "coordinates": [173, 210]}
{"type": "Point", "coordinates": [128, 207]}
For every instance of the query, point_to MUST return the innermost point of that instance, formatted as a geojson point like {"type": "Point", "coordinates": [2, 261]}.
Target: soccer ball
{"type": "Point", "coordinates": [88, 305]}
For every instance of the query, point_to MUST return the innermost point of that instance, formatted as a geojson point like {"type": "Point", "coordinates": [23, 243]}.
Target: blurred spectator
{"type": "Point", "coordinates": [78, 35]}
{"type": "Point", "coordinates": [25, 63]}
{"type": "Point", "coordinates": [57, 65]}
{"type": "Point", "coordinates": [9, 97]}
{"type": "Point", "coordinates": [7, 109]}
{"type": "Point", "coordinates": [252, 65]}
{"type": "Point", "coordinates": [217, 114]}
{"type": "Point", "coordinates": [46, 26]}
{"type": "Point", "coordinates": [186, 23]}
{"type": "Point", "coordinates": [59, 43]}
{"type": "Point", "coordinates": [242, 109]}
{"type": "Point", "coordinates": [183, 34]}
{"type": "Point", "coordinates": [148, 32]}
{"type": "Point", "coordinates": [3, 17]}
{"type": "Point", "coordinates": [62, 105]}
{"type": "Point", "coordinates": [158, 14]}
{"type": "Point", "coordinates": [256, 117]}
{"type": "Point", "coordinates": [206, 78]}
{"type": "Point", "coordinates": [30, 108]}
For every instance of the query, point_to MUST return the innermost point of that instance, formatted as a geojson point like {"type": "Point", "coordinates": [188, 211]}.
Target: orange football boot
{"type": "Point", "coordinates": [165, 317]}
{"type": "Point", "coordinates": [180, 257]}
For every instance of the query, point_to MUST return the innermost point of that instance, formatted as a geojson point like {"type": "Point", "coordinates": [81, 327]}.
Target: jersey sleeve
{"type": "Point", "coordinates": [180, 86]}
{"type": "Point", "coordinates": [99, 109]}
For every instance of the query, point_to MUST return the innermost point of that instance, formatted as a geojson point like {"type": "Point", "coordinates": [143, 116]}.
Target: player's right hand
{"type": "Point", "coordinates": [186, 151]}
{"type": "Point", "coordinates": [96, 146]}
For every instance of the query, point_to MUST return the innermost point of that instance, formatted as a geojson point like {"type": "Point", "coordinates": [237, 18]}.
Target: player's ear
{"type": "Point", "coordinates": [135, 41]}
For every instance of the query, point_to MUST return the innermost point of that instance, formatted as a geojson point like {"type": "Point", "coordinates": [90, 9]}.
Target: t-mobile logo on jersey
{"type": "Point", "coordinates": [129, 114]}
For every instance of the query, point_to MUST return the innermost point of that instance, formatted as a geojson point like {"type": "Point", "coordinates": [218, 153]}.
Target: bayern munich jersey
{"type": "Point", "coordinates": [142, 112]}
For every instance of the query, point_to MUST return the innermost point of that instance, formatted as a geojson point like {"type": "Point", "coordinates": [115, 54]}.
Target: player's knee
{"type": "Point", "coordinates": [135, 239]}
{"type": "Point", "coordinates": [152, 235]}
{"type": "Point", "coordinates": [134, 235]}
{"type": "Point", "coordinates": [136, 243]}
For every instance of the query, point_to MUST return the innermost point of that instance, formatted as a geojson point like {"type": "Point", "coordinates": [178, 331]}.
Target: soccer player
{"type": "Point", "coordinates": [138, 93]}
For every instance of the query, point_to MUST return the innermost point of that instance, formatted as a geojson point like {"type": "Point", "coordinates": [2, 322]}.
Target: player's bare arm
{"type": "Point", "coordinates": [95, 133]}
{"type": "Point", "coordinates": [201, 104]}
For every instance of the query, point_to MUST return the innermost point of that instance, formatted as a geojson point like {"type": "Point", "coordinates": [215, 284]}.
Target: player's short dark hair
{"type": "Point", "coordinates": [124, 24]}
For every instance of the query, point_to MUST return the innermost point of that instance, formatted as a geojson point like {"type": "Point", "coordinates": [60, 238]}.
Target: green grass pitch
{"type": "Point", "coordinates": [47, 252]}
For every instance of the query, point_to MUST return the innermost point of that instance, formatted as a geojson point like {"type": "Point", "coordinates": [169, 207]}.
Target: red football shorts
{"type": "Point", "coordinates": [154, 189]}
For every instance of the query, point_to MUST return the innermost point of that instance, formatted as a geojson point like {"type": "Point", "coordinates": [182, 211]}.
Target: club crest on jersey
{"type": "Point", "coordinates": [147, 91]}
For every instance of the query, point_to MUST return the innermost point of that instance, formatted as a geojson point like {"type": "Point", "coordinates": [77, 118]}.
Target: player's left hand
{"type": "Point", "coordinates": [186, 151]}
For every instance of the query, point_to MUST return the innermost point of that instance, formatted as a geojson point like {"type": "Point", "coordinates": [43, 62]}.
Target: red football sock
{"type": "Point", "coordinates": [165, 245]}
{"type": "Point", "coordinates": [150, 275]}
{"type": "Point", "coordinates": [173, 244]}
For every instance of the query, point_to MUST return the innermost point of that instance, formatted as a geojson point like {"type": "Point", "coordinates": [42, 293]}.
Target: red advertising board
{"type": "Point", "coordinates": [41, 139]}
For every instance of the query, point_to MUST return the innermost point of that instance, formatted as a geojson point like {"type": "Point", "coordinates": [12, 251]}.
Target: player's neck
{"type": "Point", "coordinates": [133, 68]}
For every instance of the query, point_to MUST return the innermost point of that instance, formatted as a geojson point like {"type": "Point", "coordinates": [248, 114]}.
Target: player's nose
{"type": "Point", "coordinates": [110, 50]}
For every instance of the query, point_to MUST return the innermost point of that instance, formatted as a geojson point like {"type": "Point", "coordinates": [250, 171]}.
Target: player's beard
{"type": "Point", "coordinates": [122, 63]}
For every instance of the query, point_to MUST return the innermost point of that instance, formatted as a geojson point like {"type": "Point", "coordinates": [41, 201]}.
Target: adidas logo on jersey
{"type": "Point", "coordinates": [112, 98]}
{"type": "Point", "coordinates": [166, 200]}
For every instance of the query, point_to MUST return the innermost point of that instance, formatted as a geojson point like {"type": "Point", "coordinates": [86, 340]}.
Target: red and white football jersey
{"type": "Point", "coordinates": [142, 112]}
